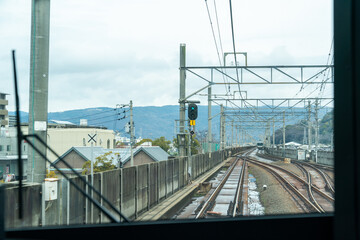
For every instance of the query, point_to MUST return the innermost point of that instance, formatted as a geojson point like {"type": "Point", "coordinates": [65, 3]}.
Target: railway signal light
{"type": "Point", "coordinates": [192, 111]}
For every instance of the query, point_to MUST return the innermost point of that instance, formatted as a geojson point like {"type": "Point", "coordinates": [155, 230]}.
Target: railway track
{"type": "Point", "coordinates": [312, 190]}
{"type": "Point", "coordinates": [308, 191]}
{"type": "Point", "coordinates": [227, 197]}
{"type": "Point", "coordinates": [317, 172]}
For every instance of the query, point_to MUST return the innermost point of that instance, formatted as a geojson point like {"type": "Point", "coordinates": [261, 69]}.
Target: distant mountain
{"type": "Point", "coordinates": [150, 122]}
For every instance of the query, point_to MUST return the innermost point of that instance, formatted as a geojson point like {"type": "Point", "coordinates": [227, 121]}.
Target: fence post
{"type": "Point", "coordinates": [148, 186]}
{"type": "Point", "coordinates": [121, 190]}
{"type": "Point", "coordinates": [43, 204]}
{"type": "Point", "coordinates": [101, 185]}
{"type": "Point", "coordinates": [136, 191]}
{"type": "Point", "coordinates": [68, 204]}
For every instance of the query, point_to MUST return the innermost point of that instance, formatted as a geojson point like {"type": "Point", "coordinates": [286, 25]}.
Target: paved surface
{"type": "Point", "coordinates": [156, 212]}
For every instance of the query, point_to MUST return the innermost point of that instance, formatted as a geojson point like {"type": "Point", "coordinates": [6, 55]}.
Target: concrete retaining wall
{"type": "Point", "coordinates": [324, 157]}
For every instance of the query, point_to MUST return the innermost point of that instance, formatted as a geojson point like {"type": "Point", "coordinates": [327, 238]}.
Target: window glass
{"type": "Point", "coordinates": [257, 139]}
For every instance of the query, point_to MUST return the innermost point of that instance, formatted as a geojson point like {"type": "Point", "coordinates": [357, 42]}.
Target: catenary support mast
{"type": "Point", "coordinates": [38, 102]}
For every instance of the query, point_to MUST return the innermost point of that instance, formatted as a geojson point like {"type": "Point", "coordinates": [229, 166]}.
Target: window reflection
{"type": "Point", "coordinates": [265, 122]}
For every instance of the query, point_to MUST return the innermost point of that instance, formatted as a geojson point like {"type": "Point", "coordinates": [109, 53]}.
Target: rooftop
{"type": "Point", "coordinates": [122, 154]}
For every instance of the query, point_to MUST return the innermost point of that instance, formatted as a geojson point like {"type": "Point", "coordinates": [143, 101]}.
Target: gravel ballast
{"type": "Point", "coordinates": [275, 199]}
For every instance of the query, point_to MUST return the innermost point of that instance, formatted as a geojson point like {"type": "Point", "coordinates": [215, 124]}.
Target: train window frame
{"type": "Point", "coordinates": [343, 224]}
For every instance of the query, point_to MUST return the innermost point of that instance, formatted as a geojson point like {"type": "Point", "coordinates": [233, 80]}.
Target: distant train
{"type": "Point", "coordinates": [260, 145]}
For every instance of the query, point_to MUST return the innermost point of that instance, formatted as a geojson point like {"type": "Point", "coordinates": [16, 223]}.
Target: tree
{"type": "Point", "coordinates": [195, 145]}
{"type": "Point", "coordinates": [163, 143]}
{"type": "Point", "coordinates": [144, 140]}
{"type": "Point", "coordinates": [101, 164]}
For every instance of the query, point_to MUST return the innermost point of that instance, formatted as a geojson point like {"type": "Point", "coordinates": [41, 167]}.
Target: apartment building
{"type": "Point", "coordinates": [4, 115]}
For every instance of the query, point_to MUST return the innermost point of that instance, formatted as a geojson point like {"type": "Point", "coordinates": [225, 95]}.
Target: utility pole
{"type": "Point", "coordinates": [242, 134]}
{"type": "Point", "coordinates": [268, 134]}
{"type": "Point", "coordinates": [92, 139]}
{"type": "Point", "coordinates": [309, 127]}
{"type": "Point", "coordinates": [237, 135]}
{"type": "Point", "coordinates": [304, 138]}
{"type": "Point", "coordinates": [38, 102]}
{"type": "Point", "coordinates": [222, 128]}
{"type": "Point", "coordinates": [332, 136]}
{"type": "Point", "coordinates": [232, 133]}
{"type": "Point", "coordinates": [131, 134]}
{"type": "Point", "coordinates": [284, 134]}
{"type": "Point", "coordinates": [181, 136]}
{"type": "Point", "coordinates": [209, 133]}
{"type": "Point", "coordinates": [273, 132]}
{"type": "Point", "coordinates": [316, 130]}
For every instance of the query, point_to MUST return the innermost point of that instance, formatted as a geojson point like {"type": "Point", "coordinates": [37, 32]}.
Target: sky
{"type": "Point", "coordinates": [104, 53]}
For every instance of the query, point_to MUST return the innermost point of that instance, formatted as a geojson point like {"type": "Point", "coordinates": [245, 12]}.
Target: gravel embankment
{"type": "Point", "coordinates": [274, 199]}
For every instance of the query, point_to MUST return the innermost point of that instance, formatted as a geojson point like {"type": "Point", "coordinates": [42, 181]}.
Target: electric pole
{"type": "Point", "coordinates": [131, 134]}
{"type": "Point", "coordinates": [309, 127]}
{"type": "Point", "coordinates": [273, 132]}
{"type": "Point", "coordinates": [209, 137]}
{"type": "Point", "coordinates": [232, 133]}
{"type": "Point", "coordinates": [284, 134]}
{"type": "Point", "coordinates": [181, 135]}
{"type": "Point", "coordinates": [316, 129]}
{"type": "Point", "coordinates": [38, 102]}
{"type": "Point", "coordinates": [222, 127]}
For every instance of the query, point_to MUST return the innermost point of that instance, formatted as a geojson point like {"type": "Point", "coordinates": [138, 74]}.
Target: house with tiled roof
{"type": "Point", "coordinates": [120, 157]}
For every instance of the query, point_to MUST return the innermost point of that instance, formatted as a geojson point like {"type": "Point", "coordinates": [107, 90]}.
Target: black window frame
{"type": "Point", "coordinates": [343, 224]}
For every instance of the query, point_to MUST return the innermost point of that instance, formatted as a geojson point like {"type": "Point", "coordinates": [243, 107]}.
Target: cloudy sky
{"type": "Point", "coordinates": [109, 52]}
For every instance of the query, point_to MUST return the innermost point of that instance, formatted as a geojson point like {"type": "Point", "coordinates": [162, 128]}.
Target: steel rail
{"type": "Point", "coordinates": [205, 206]}
{"type": "Point", "coordinates": [239, 190]}
{"type": "Point", "coordinates": [214, 194]}
{"type": "Point", "coordinates": [312, 198]}
{"type": "Point", "coordinates": [287, 183]}
{"type": "Point", "coordinates": [301, 180]}
{"type": "Point", "coordinates": [323, 175]}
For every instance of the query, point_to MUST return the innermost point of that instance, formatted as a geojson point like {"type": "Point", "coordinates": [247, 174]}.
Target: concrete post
{"type": "Point", "coordinates": [209, 137]}
{"type": "Point", "coordinates": [232, 133]}
{"type": "Point", "coordinates": [273, 132]}
{"type": "Point", "coordinates": [38, 102]}
{"type": "Point", "coordinates": [309, 127]}
{"type": "Point", "coordinates": [222, 128]}
{"type": "Point", "coordinates": [181, 139]}
{"type": "Point", "coordinates": [284, 134]}
{"type": "Point", "coordinates": [131, 134]}
{"type": "Point", "coordinates": [316, 130]}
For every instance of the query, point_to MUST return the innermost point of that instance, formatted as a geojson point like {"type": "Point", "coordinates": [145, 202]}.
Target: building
{"type": "Point", "coordinates": [9, 153]}
{"type": "Point", "coordinates": [4, 115]}
{"type": "Point", "coordinates": [120, 157]}
{"type": "Point", "coordinates": [63, 135]}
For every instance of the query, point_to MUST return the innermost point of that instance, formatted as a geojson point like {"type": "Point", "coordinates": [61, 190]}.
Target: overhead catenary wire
{"type": "Point", "coordinates": [87, 115]}
{"type": "Point", "coordinates": [102, 122]}
{"type": "Point", "coordinates": [234, 48]}
{"type": "Point", "coordinates": [216, 44]}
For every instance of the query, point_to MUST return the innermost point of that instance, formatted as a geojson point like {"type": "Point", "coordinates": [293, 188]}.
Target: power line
{"type": "Point", "coordinates": [233, 42]}
{"type": "Point", "coordinates": [216, 45]}
{"type": "Point", "coordinates": [117, 114]}
{"type": "Point", "coordinates": [102, 122]}
{"type": "Point", "coordinates": [93, 114]}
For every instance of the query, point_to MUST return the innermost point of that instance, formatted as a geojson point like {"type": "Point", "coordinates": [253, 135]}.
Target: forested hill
{"type": "Point", "coordinates": [295, 132]}
{"type": "Point", "coordinates": [150, 121]}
